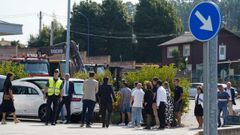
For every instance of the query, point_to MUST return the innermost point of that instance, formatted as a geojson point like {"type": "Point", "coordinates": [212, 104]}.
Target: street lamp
{"type": "Point", "coordinates": [88, 48]}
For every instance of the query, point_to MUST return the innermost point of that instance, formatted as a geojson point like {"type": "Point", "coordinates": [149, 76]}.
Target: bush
{"type": "Point", "coordinates": [16, 69]}
{"type": "Point", "coordinates": [165, 73]}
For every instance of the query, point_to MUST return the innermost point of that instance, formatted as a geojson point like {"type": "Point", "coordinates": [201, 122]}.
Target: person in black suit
{"type": "Point", "coordinates": [231, 101]}
{"type": "Point", "coordinates": [106, 96]}
{"type": "Point", "coordinates": [66, 97]}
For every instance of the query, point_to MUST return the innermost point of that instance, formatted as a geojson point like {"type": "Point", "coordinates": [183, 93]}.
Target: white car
{"type": "Point", "coordinates": [76, 103]}
{"type": "Point", "coordinates": [28, 100]}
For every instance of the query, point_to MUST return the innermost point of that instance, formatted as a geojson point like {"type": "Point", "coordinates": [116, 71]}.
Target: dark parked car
{"type": "Point", "coordinates": [2, 79]}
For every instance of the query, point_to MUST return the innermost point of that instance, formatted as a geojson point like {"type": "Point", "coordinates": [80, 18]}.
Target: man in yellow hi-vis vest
{"type": "Point", "coordinates": [53, 90]}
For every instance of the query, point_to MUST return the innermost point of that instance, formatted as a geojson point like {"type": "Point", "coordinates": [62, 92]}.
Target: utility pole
{"type": "Point", "coordinates": [68, 36]}
{"type": "Point", "coordinates": [40, 23]}
{"type": "Point", "coordinates": [51, 34]}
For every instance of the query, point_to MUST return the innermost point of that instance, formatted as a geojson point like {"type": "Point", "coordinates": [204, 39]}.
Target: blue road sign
{"type": "Point", "coordinates": [205, 21]}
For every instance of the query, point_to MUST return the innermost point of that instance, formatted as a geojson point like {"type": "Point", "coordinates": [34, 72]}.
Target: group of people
{"type": "Point", "coordinates": [226, 100]}
{"type": "Point", "coordinates": [154, 97]}
{"type": "Point", "coordinates": [156, 100]}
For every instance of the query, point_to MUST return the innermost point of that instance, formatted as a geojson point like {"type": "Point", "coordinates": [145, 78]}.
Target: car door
{"type": "Point", "coordinates": [35, 99]}
{"type": "Point", "coordinates": [20, 99]}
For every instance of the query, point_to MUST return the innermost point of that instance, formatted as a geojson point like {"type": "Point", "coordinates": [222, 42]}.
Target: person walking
{"type": "Point", "coordinates": [231, 101]}
{"type": "Point", "coordinates": [161, 103]}
{"type": "Point", "coordinates": [169, 106]}
{"type": "Point", "coordinates": [137, 101]}
{"type": "Point", "coordinates": [8, 99]}
{"type": "Point", "coordinates": [223, 98]}
{"type": "Point", "coordinates": [178, 96]}
{"type": "Point", "coordinates": [198, 110]}
{"type": "Point", "coordinates": [106, 96]}
{"type": "Point", "coordinates": [90, 89]}
{"type": "Point", "coordinates": [53, 91]}
{"type": "Point", "coordinates": [148, 101]}
{"type": "Point", "coordinates": [154, 105]}
{"type": "Point", "coordinates": [67, 92]}
{"type": "Point", "coordinates": [125, 96]}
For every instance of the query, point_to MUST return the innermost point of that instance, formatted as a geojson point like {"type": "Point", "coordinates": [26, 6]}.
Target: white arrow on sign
{"type": "Point", "coordinates": [207, 24]}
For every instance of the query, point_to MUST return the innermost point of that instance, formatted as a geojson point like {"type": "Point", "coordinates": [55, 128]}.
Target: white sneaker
{"type": "Point", "coordinates": [122, 124]}
{"type": "Point", "coordinates": [4, 122]}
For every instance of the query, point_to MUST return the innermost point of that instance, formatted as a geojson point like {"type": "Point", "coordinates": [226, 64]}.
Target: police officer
{"type": "Point", "coordinates": [53, 91]}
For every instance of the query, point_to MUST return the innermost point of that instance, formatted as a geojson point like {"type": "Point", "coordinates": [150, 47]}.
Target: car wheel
{"type": "Point", "coordinates": [42, 113]}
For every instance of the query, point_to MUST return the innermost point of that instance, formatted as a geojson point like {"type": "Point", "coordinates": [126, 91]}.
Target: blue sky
{"type": "Point", "coordinates": [26, 12]}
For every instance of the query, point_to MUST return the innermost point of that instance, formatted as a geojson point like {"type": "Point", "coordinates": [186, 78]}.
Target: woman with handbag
{"type": "Point", "coordinates": [7, 103]}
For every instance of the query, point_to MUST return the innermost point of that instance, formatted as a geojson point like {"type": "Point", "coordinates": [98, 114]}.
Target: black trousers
{"type": "Point", "coordinates": [161, 114]}
{"type": "Point", "coordinates": [52, 112]}
{"type": "Point", "coordinates": [67, 102]}
{"type": "Point", "coordinates": [106, 107]}
{"type": "Point", "coordinates": [87, 112]}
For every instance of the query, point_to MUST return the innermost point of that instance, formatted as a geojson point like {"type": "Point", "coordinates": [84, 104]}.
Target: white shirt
{"type": "Point", "coordinates": [161, 95]}
{"type": "Point", "coordinates": [200, 99]}
{"type": "Point", "coordinates": [138, 95]}
{"type": "Point", "coordinates": [65, 91]}
{"type": "Point", "coordinates": [229, 93]}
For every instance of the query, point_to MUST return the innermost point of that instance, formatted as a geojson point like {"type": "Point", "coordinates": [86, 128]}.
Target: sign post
{"type": "Point", "coordinates": [204, 23]}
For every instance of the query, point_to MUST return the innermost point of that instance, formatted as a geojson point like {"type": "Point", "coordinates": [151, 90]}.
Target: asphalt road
{"type": "Point", "coordinates": [35, 127]}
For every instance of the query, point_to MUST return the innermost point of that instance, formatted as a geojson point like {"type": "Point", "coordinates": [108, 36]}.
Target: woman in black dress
{"type": "Point", "coordinates": [7, 103]}
{"type": "Point", "coordinates": [198, 110]}
{"type": "Point", "coordinates": [148, 101]}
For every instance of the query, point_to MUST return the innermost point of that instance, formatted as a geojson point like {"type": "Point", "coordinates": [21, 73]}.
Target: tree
{"type": "Point", "coordinates": [179, 61]}
{"type": "Point", "coordinates": [15, 43]}
{"type": "Point", "coordinates": [17, 70]}
{"type": "Point", "coordinates": [156, 19]}
{"type": "Point", "coordinates": [44, 38]}
{"type": "Point", "coordinates": [106, 20]}
{"type": "Point", "coordinates": [231, 14]}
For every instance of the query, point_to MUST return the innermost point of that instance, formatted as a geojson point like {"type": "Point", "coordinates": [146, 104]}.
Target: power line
{"type": "Point", "coordinates": [125, 37]}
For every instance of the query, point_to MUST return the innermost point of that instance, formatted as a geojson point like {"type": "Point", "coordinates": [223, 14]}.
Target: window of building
{"type": "Point", "coordinates": [186, 50]}
{"type": "Point", "coordinates": [222, 52]}
{"type": "Point", "coordinates": [170, 50]}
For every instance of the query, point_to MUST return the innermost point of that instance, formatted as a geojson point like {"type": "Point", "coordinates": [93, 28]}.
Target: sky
{"type": "Point", "coordinates": [26, 12]}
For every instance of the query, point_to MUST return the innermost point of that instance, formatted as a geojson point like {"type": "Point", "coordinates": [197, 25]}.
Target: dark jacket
{"type": "Point", "coordinates": [233, 95]}
{"type": "Point", "coordinates": [105, 94]}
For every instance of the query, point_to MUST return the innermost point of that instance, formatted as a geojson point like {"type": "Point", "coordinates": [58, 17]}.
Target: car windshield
{"type": "Point", "coordinates": [1, 84]}
{"type": "Point", "coordinates": [36, 68]}
{"type": "Point", "coordinates": [195, 85]}
{"type": "Point", "coordinates": [78, 88]}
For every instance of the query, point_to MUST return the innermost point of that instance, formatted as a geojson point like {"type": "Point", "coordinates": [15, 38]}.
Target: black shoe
{"type": "Point", "coordinates": [161, 128]}
{"type": "Point", "coordinates": [219, 126]}
{"type": "Point", "coordinates": [46, 123]}
{"type": "Point", "coordinates": [53, 124]}
{"type": "Point", "coordinates": [88, 126]}
{"type": "Point", "coordinates": [103, 126]}
{"type": "Point", "coordinates": [148, 128]}
{"type": "Point", "coordinates": [107, 126]}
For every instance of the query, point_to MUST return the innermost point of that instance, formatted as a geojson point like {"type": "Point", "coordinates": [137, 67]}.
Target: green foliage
{"type": "Point", "coordinates": [165, 73]}
{"type": "Point", "coordinates": [179, 61]}
{"type": "Point", "coordinates": [99, 76]}
{"type": "Point", "coordinates": [154, 17]}
{"type": "Point", "coordinates": [17, 70]}
{"type": "Point", "coordinates": [44, 38]}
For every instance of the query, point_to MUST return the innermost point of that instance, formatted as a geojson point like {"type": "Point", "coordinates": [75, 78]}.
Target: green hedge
{"type": "Point", "coordinates": [165, 73]}
{"type": "Point", "coordinates": [16, 69]}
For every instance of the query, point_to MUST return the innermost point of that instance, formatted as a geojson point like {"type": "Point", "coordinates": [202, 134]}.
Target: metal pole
{"type": "Point", "coordinates": [68, 37]}
{"type": "Point", "coordinates": [206, 87]}
{"type": "Point", "coordinates": [213, 79]}
{"type": "Point", "coordinates": [51, 35]}
{"type": "Point", "coordinates": [40, 23]}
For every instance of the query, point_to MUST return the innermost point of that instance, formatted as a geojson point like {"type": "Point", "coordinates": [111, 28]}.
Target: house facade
{"type": "Point", "coordinates": [192, 51]}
